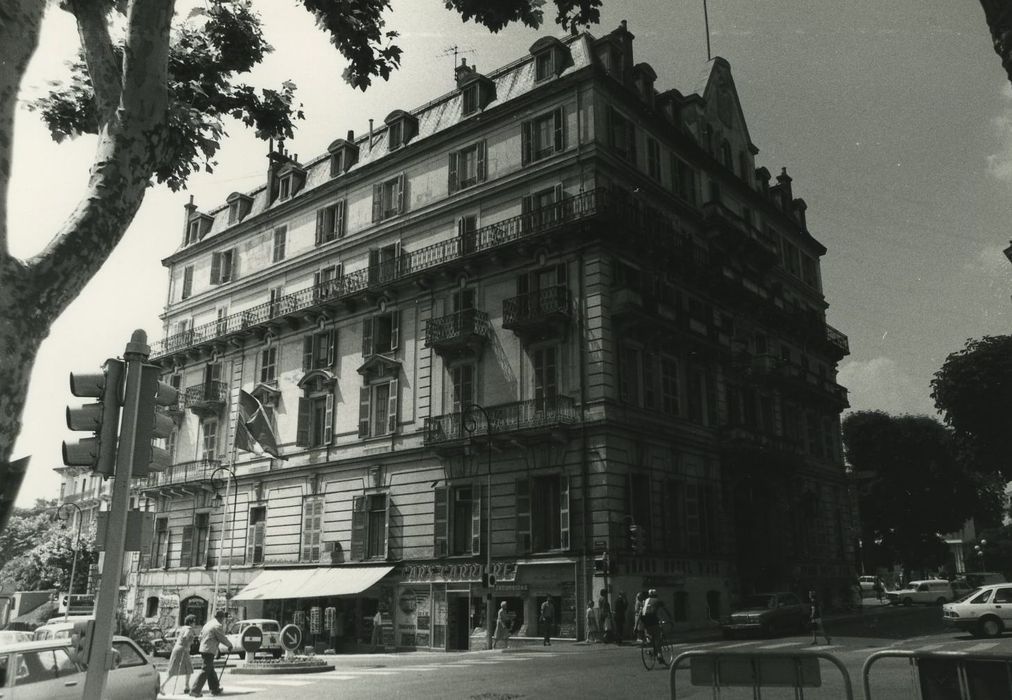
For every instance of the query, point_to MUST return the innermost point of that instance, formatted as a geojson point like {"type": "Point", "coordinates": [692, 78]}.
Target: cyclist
{"type": "Point", "coordinates": [651, 621]}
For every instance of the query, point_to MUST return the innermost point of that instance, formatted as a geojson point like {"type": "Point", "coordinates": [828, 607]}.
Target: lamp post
{"type": "Point", "coordinates": [60, 515]}
{"type": "Point", "coordinates": [470, 424]}
{"type": "Point", "coordinates": [229, 476]}
{"type": "Point", "coordinates": [979, 549]}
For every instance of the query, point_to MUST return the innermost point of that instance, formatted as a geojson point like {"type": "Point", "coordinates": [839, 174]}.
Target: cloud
{"type": "Point", "coordinates": [880, 384]}
{"type": "Point", "coordinates": [999, 165]}
{"type": "Point", "coordinates": [989, 260]}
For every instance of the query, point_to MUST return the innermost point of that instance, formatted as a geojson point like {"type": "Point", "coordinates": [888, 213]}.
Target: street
{"type": "Point", "coordinates": [568, 670]}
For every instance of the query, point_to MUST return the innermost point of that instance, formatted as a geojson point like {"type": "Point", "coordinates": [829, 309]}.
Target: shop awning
{"type": "Point", "coordinates": [275, 584]}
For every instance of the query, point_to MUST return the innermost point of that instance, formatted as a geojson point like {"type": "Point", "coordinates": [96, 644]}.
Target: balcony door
{"type": "Point", "coordinates": [545, 361]}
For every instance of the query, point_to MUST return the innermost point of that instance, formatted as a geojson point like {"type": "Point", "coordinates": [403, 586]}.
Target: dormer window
{"type": "Point", "coordinates": [401, 128]}
{"type": "Point", "coordinates": [291, 179]}
{"type": "Point", "coordinates": [550, 57]}
{"type": "Point", "coordinates": [544, 65]}
{"type": "Point", "coordinates": [470, 100]}
{"type": "Point", "coordinates": [239, 206]}
{"type": "Point", "coordinates": [285, 188]}
{"type": "Point", "coordinates": [343, 155]}
{"type": "Point", "coordinates": [198, 227]}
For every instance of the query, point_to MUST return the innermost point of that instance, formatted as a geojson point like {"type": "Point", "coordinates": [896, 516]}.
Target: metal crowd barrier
{"type": "Point", "coordinates": [951, 675]}
{"type": "Point", "coordinates": [719, 669]}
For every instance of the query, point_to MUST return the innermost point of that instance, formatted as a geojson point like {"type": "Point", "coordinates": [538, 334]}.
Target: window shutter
{"type": "Point", "coordinates": [392, 407]}
{"type": "Point", "coordinates": [250, 543]}
{"type": "Point", "coordinates": [215, 268]}
{"type": "Point", "coordinates": [328, 420]}
{"type": "Point", "coordinates": [377, 203]}
{"type": "Point", "coordinates": [451, 180]}
{"type": "Point", "coordinates": [186, 547]}
{"type": "Point", "coordinates": [374, 267]}
{"type": "Point", "coordinates": [476, 520]}
{"type": "Point", "coordinates": [331, 347]}
{"type": "Point", "coordinates": [560, 130]}
{"type": "Point", "coordinates": [307, 527]}
{"type": "Point", "coordinates": [526, 143]}
{"type": "Point", "coordinates": [440, 523]}
{"type": "Point", "coordinates": [366, 337]}
{"type": "Point", "coordinates": [400, 196]}
{"type": "Point", "coordinates": [386, 528]}
{"type": "Point", "coordinates": [481, 168]}
{"type": "Point", "coordinates": [307, 353]}
{"type": "Point", "coordinates": [187, 281]}
{"type": "Point", "coordinates": [395, 329]}
{"type": "Point", "coordinates": [163, 557]}
{"type": "Point", "coordinates": [364, 406]}
{"type": "Point", "coordinates": [359, 520]}
{"type": "Point", "coordinates": [523, 516]}
{"type": "Point", "coordinates": [339, 219]}
{"type": "Point", "coordinates": [564, 512]}
{"type": "Point", "coordinates": [320, 226]}
{"type": "Point", "coordinates": [527, 220]}
{"type": "Point", "coordinates": [302, 431]}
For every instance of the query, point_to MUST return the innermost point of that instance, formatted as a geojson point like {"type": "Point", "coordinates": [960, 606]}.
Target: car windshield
{"type": "Point", "coordinates": [758, 601]}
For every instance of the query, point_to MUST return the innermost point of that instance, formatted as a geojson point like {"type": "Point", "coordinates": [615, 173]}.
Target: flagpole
{"type": "Point", "coordinates": [235, 499]}
{"type": "Point", "coordinates": [706, 20]}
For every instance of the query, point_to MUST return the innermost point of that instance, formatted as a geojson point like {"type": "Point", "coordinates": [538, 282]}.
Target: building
{"type": "Point", "coordinates": [505, 326]}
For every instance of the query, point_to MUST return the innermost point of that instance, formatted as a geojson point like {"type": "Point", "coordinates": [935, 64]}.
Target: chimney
{"type": "Point", "coordinates": [351, 136]}
{"type": "Point", "coordinates": [370, 135]}
{"type": "Point", "coordinates": [188, 210]}
{"type": "Point", "coordinates": [462, 71]}
{"type": "Point", "coordinates": [799, 213]}
{"type": "Point", "coordinates": [784, 181]}
{"type": "Point", "coordinates": [275, 159]}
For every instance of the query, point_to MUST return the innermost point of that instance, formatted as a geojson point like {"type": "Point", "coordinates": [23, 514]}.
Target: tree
{"type": "Point", "coordinates": [917, 488]}
{"type": "Point", "coordinates": [37, 555]}
{"type": "Point", "coordinates": [998, 14]}
{"type": "Point", "coordinates": [23, 529]}
{"type": "Point", "coordinates": [973, 391]}
{"type": "Point", "coordinates": [158, 101]}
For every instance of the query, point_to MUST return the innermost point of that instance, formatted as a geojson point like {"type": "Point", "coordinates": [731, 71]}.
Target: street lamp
{"type": "Point", "coordinates": [979, 549]}
{"type": "Point", "coordinates": [470, 424]}
{"type": "Point", "coordinates": [60, 515]}
{"type": "Point", "coordinates": [229, 476]}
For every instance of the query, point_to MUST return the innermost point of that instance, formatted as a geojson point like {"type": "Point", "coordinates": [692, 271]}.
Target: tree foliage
{"type": "Point", "coordinates": [38, 554]}
{"type": "Point", "coordinates": [916, 489]}
{"type": "Point", "coordinates": [973, 391]}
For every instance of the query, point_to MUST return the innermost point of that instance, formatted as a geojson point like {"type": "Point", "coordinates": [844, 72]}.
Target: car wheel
{"type": "Point", "coordinates": [907, 602]}
{"type": "Point", "coordinates": [990, 627]}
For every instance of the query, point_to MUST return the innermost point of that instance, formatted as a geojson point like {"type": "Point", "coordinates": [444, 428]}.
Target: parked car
{"type": "Point", "coordinates": [768, 613]}
{"type": "Point", "coordinates": [271, 640]}
{"type": "Point", "coordinates": [47, 670]}
{"type": "Point", "coordinates": [867, 585]}
{"type": "Point", "coordinates": [13, 637]}
{"type": "Point", "coordinates": [60, 627]}
{"type": "Point", "coordinates": [984, 612]}
{"type": "Point", "coordinates": [934, 591]}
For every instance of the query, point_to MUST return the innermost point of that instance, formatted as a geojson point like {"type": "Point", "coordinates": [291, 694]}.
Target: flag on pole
{"type": "Point", "coordinates": [253, 431]}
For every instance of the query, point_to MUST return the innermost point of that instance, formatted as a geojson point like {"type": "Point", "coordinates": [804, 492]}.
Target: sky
{"type": "Point", "coordinates": [894, 120]}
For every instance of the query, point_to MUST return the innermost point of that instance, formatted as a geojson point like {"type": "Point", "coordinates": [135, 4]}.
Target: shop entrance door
{"type": "Point", "coordinates": [458, 611]}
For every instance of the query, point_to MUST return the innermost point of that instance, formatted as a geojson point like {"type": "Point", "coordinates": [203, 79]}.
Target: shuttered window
{"type": "Point", "coordinates": [543, 136]}
{"type": "Point", "coordinates": [315, 427]}
{"type": "Point", "coordinates": [319, 350]}
{"type": "Point", "coordinates": [467, 167]}
{"type": "Point", "coordinates": [256, 535]}
{"type": "Point", "coordinates": [186, 546]}
{"type": "Point", "coordinates": [201, 538]}
{"type": "Point", "coordinates": [330, 223]}
{"type": "Point", "coordinates": [222, 266]}
{"type": "Point", "coordinates": [312, 528]}
{"type": "Point", "coordinates": [378, 409]}
{"type": "Point", "coordinates": [388, 198]}
{"type": "Point", "coordinates": [370, 527]}
{"type": "Point", "coordinates": [187, 282]}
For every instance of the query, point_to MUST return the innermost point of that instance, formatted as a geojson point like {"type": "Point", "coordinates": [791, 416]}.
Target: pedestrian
{"type": "Point", "coordinates": [621, 606]}
{"type": "Point", "coordinates": [502, 626]}
{"type": "Point", "coordinates": [179, 660]}
{"type": "Point", "coordinates": [211, 636]}
{"type": "Point", "coordinates": [377, 630]}
{"type": "Point", "coordinates": [879, 588]}
{"type": "Point", "coordinates": [604, 621]}
{"type": "Point", "coordinates": [816, 619]}
{"type": "Point", "coordinates": [547, 620]}
{"type": "Point", "coordinates": [653, 608]}
{"type": "Point", "coordinates": [591, 623]}
{"type": "Point", "coordinates": [638, 614]}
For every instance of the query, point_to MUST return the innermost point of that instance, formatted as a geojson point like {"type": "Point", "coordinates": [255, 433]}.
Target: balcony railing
{"type": "Point", "coordinates": [838, 339]}
{"type": "Point", "coordinates": [211, 394]}
{"type": "Point", "coordinates": [504, 418]}
{"type": "Point", "coordinates": [183, 473]}
{"type": "Point", "coordinates": [457, 328]}
{"type": "Point", "coordinates": [583, 206]}
{"type": "Point", "coordinates": [541, 306]}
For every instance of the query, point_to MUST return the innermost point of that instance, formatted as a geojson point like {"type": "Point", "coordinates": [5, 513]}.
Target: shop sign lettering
{"type": "Point", "coordinates": [441, 573]}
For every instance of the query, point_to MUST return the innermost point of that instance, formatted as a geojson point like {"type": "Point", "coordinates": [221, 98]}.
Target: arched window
{"type": "Point", "coordinates": [151, 606]}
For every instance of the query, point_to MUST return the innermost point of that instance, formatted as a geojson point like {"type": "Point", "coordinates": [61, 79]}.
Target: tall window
{"type": "Point", "coordinates": [621, 135]}
{"type": "Point", "coordinates": [383, 263]}
{"type": "Point", "coordinates": [319, 350]}
{"type": "Point", "coordinates": [630, 360]}
{"type": "Point", "coordinates": [378, 407]}
{"type": "Point", "coordinates": [201, 537]}
{"type": "Point", "coordinates": [683, 180]}
{"type": "Point", "coordinates": [274, 301]}
{"type": "Point", "coordinates": [327, 282]}
{"type": "Point", "coordinates": [388, 199]}
{"type": "Point", "coordinates": [280, 238]}
{"type": "Point", "coordinates": [669, 385]}
{"type": "Point", "coordinates": [187, 282]}
{"type": "Point", "coordinates": [467, 167]}
{"type": "Point", "coordinates": [316, 414]}
{"type": "Point", "coordinates": [380, 334]}
{"type": "Point", "coordinates": [312, 528]}
{"type": "Point", "coordinates": [653, 159]}
{"type": "Point", "coordinates": [222, 266]}
{"type": "Point", "coordinates": [269, 364]}
{"type": "Point", "coordinates": [160, 558]}
{"type": "Point", "coordinates": [256, 534]}
{"type": "Point", "coordinates": [458, 522]}
{"type": "Point", "coordinates": [638, 486]}
{"type": "Point", "coordinates": [543, 513]}
{"type": "Point", "coordinates": [546, 377]}
{"type": "Point", "coordinates": [330, 222]}
{"type": "Point", "coordinates": [470, 99]}
{"type": "Point", "coordinates": [543, 136]}
{"type": "Point", "coordinates": [544, 65]}
{"type": "Point", "coordinates": [369, 526]}
{"type": "Point", "coordinates": [209, 444]}
{"type": "Point", "coordinates": [462, 386]}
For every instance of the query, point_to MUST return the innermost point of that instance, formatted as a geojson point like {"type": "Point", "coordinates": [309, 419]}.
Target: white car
{"type": "Point", "coordinates": [271, 637]}
{"type": "Point", "coordinates": [46, 670]}
{"type": "Point", "coordinates": [984, 612]}
{"type": "Point", "coordinates": [932, 591]}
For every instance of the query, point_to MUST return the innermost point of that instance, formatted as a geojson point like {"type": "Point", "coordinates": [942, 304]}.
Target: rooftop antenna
{"type": "Point", "coordinates": [706, 20]}
{"type": "Point", "coordinates": [454, 50]}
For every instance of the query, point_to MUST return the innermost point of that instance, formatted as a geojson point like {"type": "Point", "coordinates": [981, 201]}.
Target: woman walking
{"type": "Point", "coordinates": [502, 627]}
{"type": "Point", "coordinates": [179, 659]}
{"type": "Point", "coordinates": [816, 619]}
{"type": "Point", "coordinates": [638, 614]}
{"type": "Point", "coordinates": [592, 636]}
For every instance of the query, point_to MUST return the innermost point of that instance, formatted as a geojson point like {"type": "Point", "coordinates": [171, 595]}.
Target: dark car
{"type": "Point", "coordinates": [767, 614]}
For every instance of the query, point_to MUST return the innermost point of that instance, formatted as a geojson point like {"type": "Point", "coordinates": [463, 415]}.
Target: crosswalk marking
{"type": "Point", "coordinates": [285, 682]}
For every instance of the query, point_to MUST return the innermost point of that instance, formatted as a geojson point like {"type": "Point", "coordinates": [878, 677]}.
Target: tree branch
{"type": "Point", "coordinates": [128, 149]}
{"type": "Point", "coordinates": [20, 21]}
{"type": "Point", "coordinates": [104, 67]}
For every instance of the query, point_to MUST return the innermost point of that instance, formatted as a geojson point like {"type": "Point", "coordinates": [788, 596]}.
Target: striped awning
{"type": "Point", "coordinates": [275, 584]}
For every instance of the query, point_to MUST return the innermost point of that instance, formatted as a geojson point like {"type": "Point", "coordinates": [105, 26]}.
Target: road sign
{"type": "Point", "coordinates": [291, 637]}
{"type": "Point", "coordinates": [252, 639]}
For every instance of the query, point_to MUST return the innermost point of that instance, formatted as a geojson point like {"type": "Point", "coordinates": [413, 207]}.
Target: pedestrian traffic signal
{"type": "Point", "coordinates": [101, 417]}
{"type": "Point", "coordinates": [151, 423]}
{"type": "Point", "coordinates": [601, 565]}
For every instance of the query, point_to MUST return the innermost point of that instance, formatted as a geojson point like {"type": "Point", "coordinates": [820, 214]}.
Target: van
{"type": "Point", "coordinates": [932, 591]}
{"type": "Point", "coordinates": [61, 628]}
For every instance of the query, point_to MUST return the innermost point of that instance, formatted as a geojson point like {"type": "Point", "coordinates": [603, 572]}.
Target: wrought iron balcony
{"type": "Point", "coordinates": [531, 416]}
{"type": "Point", "coordinates": [207, 398]}
{"type": "Point", "coordinates": [183, 473]}
{"type": "Point", "coordinates": [459, 332]}
{"type": "Point", "coordinates": [838, 340]}
{"type": "Point", "coordinates": [539, 313]}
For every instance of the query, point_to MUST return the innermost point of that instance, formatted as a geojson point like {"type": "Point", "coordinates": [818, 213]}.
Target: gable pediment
{"type": "Point", "coordinates": [378, 367]}
{"type": "Point", "coordinates": [723, 105]}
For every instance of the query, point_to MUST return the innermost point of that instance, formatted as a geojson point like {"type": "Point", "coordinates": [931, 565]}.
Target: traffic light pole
{"type": "Point", "coordinates": [100, 655]}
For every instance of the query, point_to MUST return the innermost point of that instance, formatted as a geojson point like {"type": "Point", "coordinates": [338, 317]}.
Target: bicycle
{"type": "Point", "coordinates": [647, 648]}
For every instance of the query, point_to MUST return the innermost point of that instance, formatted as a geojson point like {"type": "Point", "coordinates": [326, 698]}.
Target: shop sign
{"type": "Point", "coordinates": [315, 620]}
{"type": "Point", "coordinates": [444, 573]}
{"type": "Point", "coordinates": [510, 588]}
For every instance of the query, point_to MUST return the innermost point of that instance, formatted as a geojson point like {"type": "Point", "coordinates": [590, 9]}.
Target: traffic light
{"type": "Point", "coordinates": [601, 565]}
{"type": "Point", "coordinates": [637, 539]}
{"type": "Point", "coordinates": [151, 423]}
{"type": "Point", "coordinates": [101, 417]}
